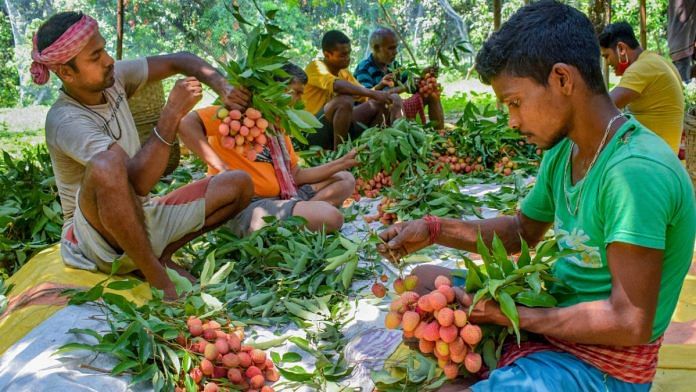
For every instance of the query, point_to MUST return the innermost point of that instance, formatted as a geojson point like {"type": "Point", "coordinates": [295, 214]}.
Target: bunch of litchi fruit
{"type": "Point", "coordinates": [440, 325]}
{"type": "Point", "coordinates": [226, 362]}
{"type": "Point", "coordinates": [372, 187]}
{"type": "Point", "coordinates": [243, 132]}
{"type": "Point", "coordinates": [428, 86]}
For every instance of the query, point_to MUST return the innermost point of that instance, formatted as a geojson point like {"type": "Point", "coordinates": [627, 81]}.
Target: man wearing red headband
{"type": "Point", "coordinates": [104, 175]}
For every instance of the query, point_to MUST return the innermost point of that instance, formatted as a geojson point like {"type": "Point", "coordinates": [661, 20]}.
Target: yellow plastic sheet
{"type": "Point", "coordinates": [47, 268]}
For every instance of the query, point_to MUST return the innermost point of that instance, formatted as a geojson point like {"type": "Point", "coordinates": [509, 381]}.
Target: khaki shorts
{"type": "Point", "coordinates": [167, 219]}
{"type": "Point", "coordinates": [251, 218]}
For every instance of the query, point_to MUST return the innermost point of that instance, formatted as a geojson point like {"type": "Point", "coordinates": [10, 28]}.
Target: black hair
{"type": "Point", "coordinates": [296, 73]}
{"type": "Point", "coordinates": [379, 34]}
{"type": "Point", "coordinates": [332, 38]}
{"type": "Point", "coordinates": [614, 33]}
{"type": "Point", "coordinates": [538, 36]}
{"type": "Point", "coordinates": [54, 27]}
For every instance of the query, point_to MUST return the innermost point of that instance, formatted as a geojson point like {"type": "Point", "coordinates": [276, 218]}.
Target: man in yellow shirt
{"type": "Point", "coordinates": [343, 105]}
{"type": "Point", "coordinates": [650, 86]}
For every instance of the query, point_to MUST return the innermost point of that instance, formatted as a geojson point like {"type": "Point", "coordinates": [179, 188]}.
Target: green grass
{"type": "Point", "coordinates": [14, 141]}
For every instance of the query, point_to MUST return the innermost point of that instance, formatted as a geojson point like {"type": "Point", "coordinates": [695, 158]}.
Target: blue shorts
{"type": "Point", "coordinates": [549, 371]}
{"type": "Point", "coordinates": [458, 277]}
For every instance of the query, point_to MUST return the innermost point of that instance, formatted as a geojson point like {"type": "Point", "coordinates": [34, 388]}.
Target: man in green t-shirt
{"type": "Point", "coordinates": [607, 185]}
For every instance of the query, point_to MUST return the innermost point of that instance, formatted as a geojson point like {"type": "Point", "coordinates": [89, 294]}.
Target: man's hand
{"type": "Point", "coordinates": [404, 238]}
{"type": "Point", "coordinates": [485, 312]}
{"type": "Point", "coordinates": [348, 161]}
{"type": "Point", "coordinates": [236, 98]}
{"type": "Point", "coordinates": [387, 81]}
{"type": "Point", "coordinates": [184, 96]}
{"type": "Point", "coordinates": [383, 97]}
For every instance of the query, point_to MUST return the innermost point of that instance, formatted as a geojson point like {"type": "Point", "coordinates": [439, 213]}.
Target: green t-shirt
{"type": "Point", "coordinates": [636, 193]}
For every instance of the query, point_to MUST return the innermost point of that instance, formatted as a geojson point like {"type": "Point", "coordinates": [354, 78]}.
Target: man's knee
{"type": "Point", "coordinates": [340, 102]}
{"type": "Point", "coordinates": [346, 179]}
{"type": "Point", "coordinates": [239, 182]}
{"type": "Point", "coordinates": [334, 219]}
{"type": "Point", "coordinates": [396, 100]}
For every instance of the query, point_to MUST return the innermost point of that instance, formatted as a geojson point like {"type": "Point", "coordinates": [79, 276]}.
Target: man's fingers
{"type": "Point", "coordinates": [462, 296]}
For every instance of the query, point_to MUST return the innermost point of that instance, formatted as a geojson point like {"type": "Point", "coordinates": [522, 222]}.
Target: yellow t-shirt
{"type": "Point", "coordinates": [660, 106]}
{"type": "Point", "coordinates": [319, 89]}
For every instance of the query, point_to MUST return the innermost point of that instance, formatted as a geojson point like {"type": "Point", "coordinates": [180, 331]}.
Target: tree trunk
{"type": "Point", "coordinates": [119, 29]}
{"type": "Point", "coordinates": [600, 15]}
{"type": "Point", "coordinates": [497, 7]}
{"type": "Point", "coordinates": [643, 26]}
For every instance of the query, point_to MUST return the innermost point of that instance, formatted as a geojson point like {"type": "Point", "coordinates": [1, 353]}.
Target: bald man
{"type": "Point", "coordinates": [377, 72]}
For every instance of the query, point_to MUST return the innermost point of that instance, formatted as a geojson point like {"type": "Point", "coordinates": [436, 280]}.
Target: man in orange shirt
{"type": "Point", "coordinates": [320, 190]}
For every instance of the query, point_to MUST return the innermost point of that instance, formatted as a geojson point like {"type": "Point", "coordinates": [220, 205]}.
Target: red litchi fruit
{"type": "Point", "coordinates": [410, 282]}
{"type": "Point", "coordinates": [460, 318]}
{"type": "Point", "coordinates": [437, 300]}
{"type": "Point", "coordinates": [432, 332]}
{"type": "Point", "coordinates": [442, 280]}
{"type": "Point", "coordinates": [234, 375]}
{"type": "Point", "coordinates": [449, 333]}
{"type": "Point", "coordinates": [410, 321]}
{"type": "Point", "coordinates": [445, 317]}
{"type": "Point", "coordinates": [472, 362]}
{"type": "Point", "coordinates": [451, 371]}
{"type": "Point", "coordinates": [471, 334]}
{"type": "Point", "coordinates": [392, 320]}
{"type": "Point", "coordinates": [379, 290]}
{"type": "Point", "coordinates": [425, 346]}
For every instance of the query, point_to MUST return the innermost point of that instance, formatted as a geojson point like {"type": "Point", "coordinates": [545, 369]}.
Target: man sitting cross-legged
{"type": "Point", "coordinates": [377, 72]}
{"type": "Point", "coordinates": [104, 175]}
{"type": "Point", "coordinates": [337, 98]}
{"type": "Point", "coordinates": [312, 193]}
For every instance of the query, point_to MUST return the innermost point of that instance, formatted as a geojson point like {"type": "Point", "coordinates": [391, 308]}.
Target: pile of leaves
{"type": "Point", "coordinates": [283, 271]}
{"type": "Point", "coordinates": [428, 195]}
{"type": "Point", "coordinates": [30, 213]}
{"type": "Point", "coordinates": [154, 342]}
{"type": "Point", "coordinates": [483, 135]}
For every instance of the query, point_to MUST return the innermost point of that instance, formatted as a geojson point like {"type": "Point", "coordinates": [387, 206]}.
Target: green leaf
{"type": "Point", "coordinates": [473, 276]}
{"type": "Point", "coordinates": [212, 302]}
{"type": "Point", "coordinates": [534, 281]}
{"type": "Point", "coordinates": [296, 374]}
{"type": "Point", "coordinates": [173, 358]}
{"type": "Point", "coordinates": [291, 357]}
{"type": "Point", "coordinates": [222, 273]}
{"type": "Point", "coordinates": [501, 257]}
{"type": "Point", "coordinates": [543, 249]}
{"type": "Point", "coordinates": [348, 272]}
{"type": "Point", "coordinates": [208, 269]}
{"type": "Point", "coordinates": [524, 258]}
{"type": "Point", "coordinates": [509, 309]}
{"type": "Point", "coordinates": [487, 258]}
{"type": "Point", "coordinates": [488, 353]}
{"type": "Point", "coordinates": [303, 119]}
{"type": "Point", "coordinates": [181, 284]}
{"type": "Point", "coordinates": [536, 300]}
{"type": "Point", "coordinates": [73, 347]}
{"type": "Point", "coordinates": [145, 375]}
{"type": "Point", "coordinates": [87, 296]}
{"type": "Point", "coordinates": [126, 284]}
{"type": "Point", "coordinates": [479, 296]}
{"type": "Point", "coordinates": [123, 366]}
{"type": "Point", "coordinates": [494, 285]}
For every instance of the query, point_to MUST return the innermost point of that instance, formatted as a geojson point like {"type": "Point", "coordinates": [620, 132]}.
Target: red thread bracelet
{"type": "Point", "coordinates": [434, 226]}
